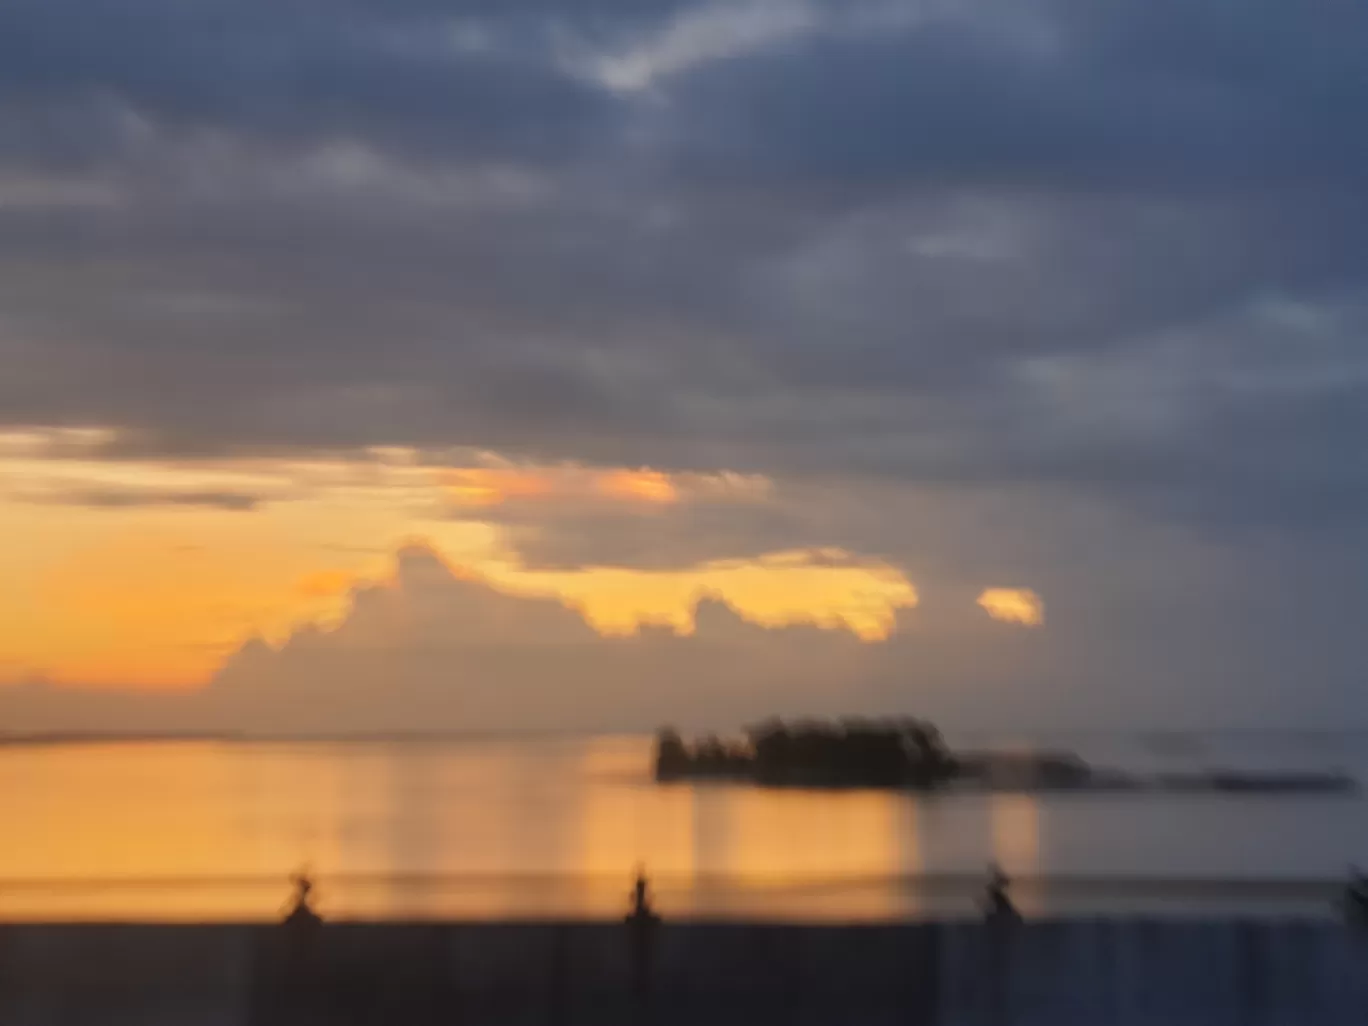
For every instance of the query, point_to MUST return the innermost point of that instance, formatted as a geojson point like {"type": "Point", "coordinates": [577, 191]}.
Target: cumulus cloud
{"type": "Point", "coordinates": [437, 647]}
{"type": "Point", "coordinates": [437, 650]}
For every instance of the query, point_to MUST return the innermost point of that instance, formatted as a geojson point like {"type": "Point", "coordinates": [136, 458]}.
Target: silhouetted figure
{"type": "Point", "coordinates": [997, 906]}
{"type": "Point", "coordinates": [999, 918]}
{"type": "Point", "coordinates": [642, 921]}
{"type": "Point", "coordinates": [288, 990]}
{"type": "Point", "coordinates": [301, 912]}
{"type": "Point", "coordinates": [641, 901]}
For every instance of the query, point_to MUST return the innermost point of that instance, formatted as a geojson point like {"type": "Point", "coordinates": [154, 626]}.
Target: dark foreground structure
{"type": "Point", "coordinates": [593, 974]}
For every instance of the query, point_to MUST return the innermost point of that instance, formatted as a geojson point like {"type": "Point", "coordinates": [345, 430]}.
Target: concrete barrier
{"type": "Point", "coordinates": [1090, 973]}
{"type": "Point", "coordinates": [116, 975]}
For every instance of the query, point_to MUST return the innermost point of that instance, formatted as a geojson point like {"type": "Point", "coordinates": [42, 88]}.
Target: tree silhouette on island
{"type": "Point", "coordinates": [910, 754]}
{"type": "Point", "coordinates": [906, 753]}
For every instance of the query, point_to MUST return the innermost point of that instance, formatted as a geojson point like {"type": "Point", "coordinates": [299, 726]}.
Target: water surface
{"type": "Point", "coordinates": [518, 827]}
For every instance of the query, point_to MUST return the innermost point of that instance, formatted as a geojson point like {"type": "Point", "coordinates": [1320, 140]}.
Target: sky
{"type": "Point", "coordinates": [519, 364]}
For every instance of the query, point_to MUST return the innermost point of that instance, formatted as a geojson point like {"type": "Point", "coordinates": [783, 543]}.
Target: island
{"type": "Point", "coordinates": [853, 753]}
{"type": "Point", "coordinates": [911, 754]}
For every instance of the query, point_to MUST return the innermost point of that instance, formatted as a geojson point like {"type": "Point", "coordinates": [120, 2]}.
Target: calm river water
{"type": "Point", "coordinates": [534, 828]}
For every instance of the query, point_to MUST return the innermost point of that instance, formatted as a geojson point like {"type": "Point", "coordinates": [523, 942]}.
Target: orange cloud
{"type": "Point", "coordinates": [638, 486]}
{"type": "Point", "coordinates": [480, 487]}
{"type": "Point", "coordinates": [1013, 605]}
{"type": "Point", "coordinates": [774, 590]}
{"type": "Point", "coordinates": [493, 486]}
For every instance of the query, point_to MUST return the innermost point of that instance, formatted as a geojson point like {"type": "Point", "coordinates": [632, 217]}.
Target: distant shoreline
{"type": "Point", "coordinates": [1082, 779]}
{"type": "Point", "coordinates": [911, 755]}
{"type": "Point", "coordinates": [59, 738]}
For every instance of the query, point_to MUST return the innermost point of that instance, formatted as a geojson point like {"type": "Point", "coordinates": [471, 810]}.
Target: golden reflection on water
{"type": "Point", "coordinates": [195, 829]}
{"type": "Point", "coordinates": [1015, 825]}
{"type": "Point", "coordinates": [1015, 820]}
{"type": "Point", "coordinates": [536, 829]}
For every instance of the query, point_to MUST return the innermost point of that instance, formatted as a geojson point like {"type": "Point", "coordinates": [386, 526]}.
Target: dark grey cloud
{"type": "Point", "coordinates": [290, 73]}
{"type": "Point", "coordinates": [1208, 95]}
{"type": "Point", "coordinates": [1031, 243]}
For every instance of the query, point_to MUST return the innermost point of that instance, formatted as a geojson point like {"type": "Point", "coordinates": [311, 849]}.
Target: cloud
{"type": "Point", "coordinates": [85, 467]}
{"type": "Point", "coordinates": [130, 498]}
{"type": "Point", "coordinates": [286, 72]}
{"type": "Point", "coordinates": [571, 486]}
{"type": "Point", "coordinates": [1052, 94]}
{"type": "Point", "coordinates": [433, 649]}
{"type": "Point", "coordinates": [33, 192]}
{"type": "Point", "coordinates": [654, 320]}
{"type": "Point", "coordinates": [771, 593]}
{"type": "Point", "coordinates": [1013, 605]}
{"type": "Point", "coordinates": [438, 647]}
{"type": "Point", "coordinates": [705, 33]}
{"type": "Point", "coordinates": [649, 486]}
{"type": "Point", "coordinates": [887, 257]}
{"type": "Point", "coordinates": [54, 442]}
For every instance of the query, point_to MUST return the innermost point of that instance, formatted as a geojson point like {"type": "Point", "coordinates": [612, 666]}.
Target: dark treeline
{"type": "Point", "coordinates": [851, 753]}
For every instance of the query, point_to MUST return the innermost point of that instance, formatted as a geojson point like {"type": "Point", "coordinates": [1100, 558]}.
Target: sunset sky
{"type": "Point", "coordinates": [150, 572]}
{"type": "Point", "coordinates": [996, 359]}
